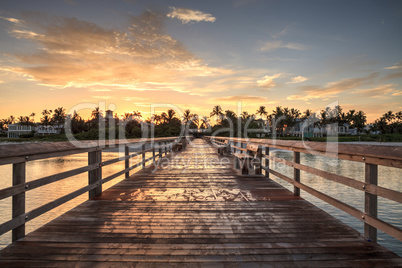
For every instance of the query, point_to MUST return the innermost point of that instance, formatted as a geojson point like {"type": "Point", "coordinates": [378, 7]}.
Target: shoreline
{"type": "Point", "coordinates": [343, 142]}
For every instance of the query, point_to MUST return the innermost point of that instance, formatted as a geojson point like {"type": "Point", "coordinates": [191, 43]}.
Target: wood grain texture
{"type": "Point", "coordinates": [196, 212]}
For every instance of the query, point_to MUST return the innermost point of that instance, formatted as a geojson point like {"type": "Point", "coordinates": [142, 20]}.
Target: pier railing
{"type": "Point", "coordinates": [371, 155]}
{"type": "Point", "coordinates": [19, 154]}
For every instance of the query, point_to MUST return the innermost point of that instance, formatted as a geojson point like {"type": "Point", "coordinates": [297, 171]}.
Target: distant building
{"type": "Point", "coordinates": [263, 127]}
{"type": "Point", "coordinates": [44, 130]}
{"type": "Point", "coordinates": [309, 130]}
{"type": "Point", "coordinates": [18, 129]}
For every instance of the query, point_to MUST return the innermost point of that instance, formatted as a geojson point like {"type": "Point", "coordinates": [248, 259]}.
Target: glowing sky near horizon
{"type": "Point", "coordinates": [198, 54]}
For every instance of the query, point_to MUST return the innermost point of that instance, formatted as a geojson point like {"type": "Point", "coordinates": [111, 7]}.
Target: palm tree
{"type": "Point", "coordinates": [187, 116]}
{"type": "Point", "coordinates": [262, 111]}
{"type": "Point", "coordinates": [360, 121]}
{"type": "Point", "coordinates": [307, 113]}
{"type": "Point", "coordinates": [137, 115]}
{"type": "Point", "coordinates": [324, 120]}
{"type": "Point", "coordinates": [164, 117]}
{"type": "Point", "coordinates": [350, 117]}
{"type": "Point", "coordinates": [204, 122]}
{"type": "Point", "coordinates": [46, 119]}
{"type": "Point", "coordinates": [157, 119]}
{"type": "Point", "coordinates": [77, 123]}
{"type": "Point", "coordinates": [59, 116]}
{"type": "Point", "coordinates": [33, 117]}
{"type": "Point", "coordinates": [11, 119]}
{"type": "Point", "coordinates": [217, 110]}
{"type": "Point", "coordinates": [96, 113]}
{"type": "Point", "coordinates": [194, 121]}
{"type": "Point", "coordinates": [170, 115]}
{"type": "Point", "coordinates": [127, 116]}
{"type": "Point", "coordinates": [389, 117]}
{"type": "Point", "coordinates": [245, 115]}
{"type": "Point", "coordinates": [277, 118]}
{"type": "Point", "coordinates": [398, 116]}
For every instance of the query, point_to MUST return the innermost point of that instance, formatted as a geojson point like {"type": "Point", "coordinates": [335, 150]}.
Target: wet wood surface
{"type": "Point", "coordinates": [195, 210]}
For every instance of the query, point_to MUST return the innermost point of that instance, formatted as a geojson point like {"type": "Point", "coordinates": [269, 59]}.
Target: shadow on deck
{"type": "Point", "coordinates": [196, 210]}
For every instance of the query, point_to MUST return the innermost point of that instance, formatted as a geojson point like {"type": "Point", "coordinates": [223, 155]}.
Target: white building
{"type": "Point", "coordinates": [44, 130]}
{"type": "Point", "coordinates": [16, 130]}
{"type": "Point", "coordinates": [302, 129]}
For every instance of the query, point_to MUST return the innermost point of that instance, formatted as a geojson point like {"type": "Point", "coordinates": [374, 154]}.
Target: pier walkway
{"type": "Point", "coordinates": [196, 211]}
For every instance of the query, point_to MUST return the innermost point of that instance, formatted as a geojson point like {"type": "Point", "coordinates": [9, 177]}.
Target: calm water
{"type": "Point", "coordinates": [42, 195]}
{"type": "Point", "coordinates": [389, 211]}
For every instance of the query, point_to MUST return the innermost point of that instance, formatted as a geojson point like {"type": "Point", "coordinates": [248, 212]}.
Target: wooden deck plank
{"type": "Point", "coordinates": [193, 215]}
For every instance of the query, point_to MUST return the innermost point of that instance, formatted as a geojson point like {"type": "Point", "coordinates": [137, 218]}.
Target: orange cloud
{"type": "Point", "coordinates": [268, 81]}
{"type": "Point", "coordinates": [333, 88]}
{"type": "Point", "coordinates": [76, 53]}
{"type": "Point", "coordinates": [395, 66]}
{"type": "Point", "coordinates": [297, 79]}
{"type": "Point", "coordinates": [378, 91]}
{"type": "Point", "coordinates": [243, 98]}
{"type": "Point", "coordinates": [187, 15]}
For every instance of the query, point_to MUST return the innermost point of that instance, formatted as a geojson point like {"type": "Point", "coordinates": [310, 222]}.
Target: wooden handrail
{"type": "Point", "coordinates": [14, 153]}
{"type": "Point", "coordinates": [371, 155]}
{"type": "Point", "coordinates": [19, 154]}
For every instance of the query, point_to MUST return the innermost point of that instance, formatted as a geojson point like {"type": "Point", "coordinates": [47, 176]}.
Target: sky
{"type": "Point", "coordinates": [149, 56]}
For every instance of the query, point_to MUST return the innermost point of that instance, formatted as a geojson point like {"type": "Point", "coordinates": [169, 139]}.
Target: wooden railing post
{"type": "Point", "coordinates": [370, 201]}
{"type": "Point", "coordinates": [160, 150]}
{"type": "Point", "coordinates": [296, 173]}
{"type": "Point", "coordinates": [95, 176]}
{"type": "Point", "coordinates": [165, 147]}
{"type": "Point", "coordinates": [267, 162]}
{"type": "Point", "coordinates": [258, 170]}
{"type": "Point", "coordinates": [153, 153]}
{"type": "Point", "coordinates": [18, 200]}
{"type": "Point", "coordinates": [127, 161]}
{"type": "Point", "coordinates": [143, 155]}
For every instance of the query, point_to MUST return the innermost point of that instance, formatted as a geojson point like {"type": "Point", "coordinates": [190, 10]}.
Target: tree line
{"type": "Point", "coordinates": [168, 123]}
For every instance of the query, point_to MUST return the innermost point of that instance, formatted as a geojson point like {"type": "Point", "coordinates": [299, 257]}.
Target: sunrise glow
{"type": "Point", "coordinates": [197, 54]}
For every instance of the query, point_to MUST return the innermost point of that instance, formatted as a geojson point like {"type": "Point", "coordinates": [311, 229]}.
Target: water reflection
{"type": "Point", "coordinates": [388, 177]}
{"type": "Point", "coordinates": [45, 194]}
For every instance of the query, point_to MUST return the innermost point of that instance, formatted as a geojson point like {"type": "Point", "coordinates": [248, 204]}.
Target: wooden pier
{"type": "Point", "coordinates": [198, 211]}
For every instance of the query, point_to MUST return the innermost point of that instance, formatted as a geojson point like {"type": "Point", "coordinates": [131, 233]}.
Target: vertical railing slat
{"type": "Point", "coordinates": [95, 176]}
{"type": "Point", "coordinates": [127, 161]}
{"type": "Point", "coordinates": [258, 169]}
{"type": "Point", "coordinates": [18, 206]}
{"type": "Point", "coordinates": [296, 172]}
{"type": "Point", "coordinates": [153, 153]}
{"type": "Point", "coordinates": [267, 162]}
{"type": "Point", "coordinates": [370, 200]}
{"type": "Point", "coordinates": [143, 155]}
